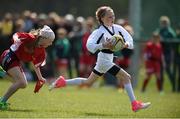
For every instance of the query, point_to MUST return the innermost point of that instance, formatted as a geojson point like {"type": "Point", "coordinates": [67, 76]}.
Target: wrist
{"type": "Point", "coordinates": [126, 45]}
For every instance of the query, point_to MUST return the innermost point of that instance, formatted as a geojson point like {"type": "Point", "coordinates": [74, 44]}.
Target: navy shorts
{"type": "Point", "coordinates": [8, 60]}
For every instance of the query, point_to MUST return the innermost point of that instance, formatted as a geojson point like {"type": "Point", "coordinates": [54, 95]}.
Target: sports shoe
{"type": "Point", "coordinates": [4, 105]}
{"type": "Point", "coordinates": [137, 105]}
{"type": "Point", "coordinates": [60, 82]}
{"type": "Point", "coordinates": [38, 86]}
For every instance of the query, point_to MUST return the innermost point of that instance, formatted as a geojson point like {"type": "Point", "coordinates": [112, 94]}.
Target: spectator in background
{"type": "Point", "coordinates": [167, 34]}
{"type": "Point", "coordinates": [68, 23]}
{"type": "Point", "coordinates": [28, 23]}
{"type": "Point", "coordinates": [42, 19]}
{"type": "Point", "coordinates": [75, 37]}
{"type": "Point", "coordinates": [87, 60]}
{"type": "Point", "coordinates": [177, 58]}
{"type": "Point", "coordinates": [34, 19]}
{"type": "Point", "coordinates": [6, 30]}
{"type": "Point", "coordinates": [153, 57]}
{"type": "Point", "coordinates": [19, 25]}
{"type": "Point", "coordinates": [61, 52]}
{"type": "Point", "coordinates": [26, 47]}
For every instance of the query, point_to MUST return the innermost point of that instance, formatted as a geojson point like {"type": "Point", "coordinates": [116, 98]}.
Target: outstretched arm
{"type": "Point", "coordinates": [38, 72]}
{"type": "Point", "coordinates": [40, 81]}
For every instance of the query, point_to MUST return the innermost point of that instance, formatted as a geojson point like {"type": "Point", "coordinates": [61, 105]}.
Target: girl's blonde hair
{"type": "Point", "coordinates": [35, 32]}
{"type": "Point", "coordinates": [101, 12]}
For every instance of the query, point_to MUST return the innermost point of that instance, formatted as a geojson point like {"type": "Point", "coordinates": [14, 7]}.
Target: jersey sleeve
{"type": "Point", "coordinates": [39, 58]}
{"type": "Point", "coordinates": [127, 37]}
{"type": "Point", "coordinates": [22, 37]}
{"type": "Point", "coordinates": [92, 43]}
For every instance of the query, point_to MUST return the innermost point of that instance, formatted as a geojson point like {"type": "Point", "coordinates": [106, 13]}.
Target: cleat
{"type": "Point", "coordinates": [60, 82]}
{"type": "Point", "coordinates": [38, 86]}
{"type": "Point", "coordinates": [137, 105]}
{"type": "Point", "coordinates": [4, 105]}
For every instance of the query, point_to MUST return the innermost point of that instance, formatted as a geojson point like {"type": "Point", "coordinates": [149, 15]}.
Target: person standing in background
{"type": "Point", "coordinates": [75, 38]}
{"type": "Point", "coordinates": [167, 34]}
{"type": "Point", "coordinates": [177, 58]}
{"type": "Point", "coordinates": [61, 52]}
{"type": "Point", "coordinates": [153, 57]}
{"type": "Point", "coordinates": [87, 59]}
{"type": "Point", "coordinates": [6, 30]}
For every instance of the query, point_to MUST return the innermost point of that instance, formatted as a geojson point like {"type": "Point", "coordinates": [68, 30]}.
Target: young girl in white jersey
{"type": "Point", "coordinates": [98, 42]}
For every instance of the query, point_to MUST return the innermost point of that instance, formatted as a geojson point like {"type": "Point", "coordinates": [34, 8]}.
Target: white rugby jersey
{"type": "Point", "coordinates": [103, 33]}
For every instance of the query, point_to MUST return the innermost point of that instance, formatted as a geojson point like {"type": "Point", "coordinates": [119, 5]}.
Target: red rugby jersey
{"type": "Point", "coordinates": [20, 40]}
{"type": "Point", "coordinates": [153, 51]}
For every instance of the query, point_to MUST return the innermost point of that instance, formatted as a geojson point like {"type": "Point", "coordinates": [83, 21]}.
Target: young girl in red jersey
{"type": "Point", "coordinates": [26, 47]}
{"type": "Point", "coordinates": [153, 56]}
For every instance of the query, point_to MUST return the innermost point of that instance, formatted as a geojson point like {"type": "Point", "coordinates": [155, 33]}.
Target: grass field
{"type": "Point", "coordinates": [103, 102]}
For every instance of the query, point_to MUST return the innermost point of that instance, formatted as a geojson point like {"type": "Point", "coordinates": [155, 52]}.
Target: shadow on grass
{"type": "Point", "coordinates": [20, 110]}
{"type": "Point", "coordinates": [100, 114]}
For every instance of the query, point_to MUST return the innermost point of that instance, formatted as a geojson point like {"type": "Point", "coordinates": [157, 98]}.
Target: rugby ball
{"type": "Point", "coordinates": [118, 42]}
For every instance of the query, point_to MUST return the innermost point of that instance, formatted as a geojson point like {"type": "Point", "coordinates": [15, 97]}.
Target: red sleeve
{"type": "Point", "coordinates": [23, 37]}
{"type": "Point", "coordinates": [39, 57]}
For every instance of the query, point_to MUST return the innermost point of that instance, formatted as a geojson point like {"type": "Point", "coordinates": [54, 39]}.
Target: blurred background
{"type": "Point", "coordinates": [150, 11]}
{"type": "Point", "coordinates": [74, 20]}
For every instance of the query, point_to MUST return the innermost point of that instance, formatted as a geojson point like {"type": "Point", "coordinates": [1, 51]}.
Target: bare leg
{"type": "Point", "coordinates": [146, 80]}
{"type": "Point", "coordinates": [158, 82]}
{"type": "Point", "coordinates": [19, 81]}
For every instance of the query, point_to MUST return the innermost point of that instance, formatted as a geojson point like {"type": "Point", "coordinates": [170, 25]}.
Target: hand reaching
{"type": "Point", "coordinates": [39, 85]}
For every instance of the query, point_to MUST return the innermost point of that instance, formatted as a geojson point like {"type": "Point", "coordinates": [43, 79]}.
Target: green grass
{"type": "Point", "coordinates": [104, 102]}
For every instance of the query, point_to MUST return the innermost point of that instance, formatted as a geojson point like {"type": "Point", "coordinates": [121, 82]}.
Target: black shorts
{"type": "Point", "coordinates": [113, 71]}
{"type": "Point", "coordinates": [8, 60]}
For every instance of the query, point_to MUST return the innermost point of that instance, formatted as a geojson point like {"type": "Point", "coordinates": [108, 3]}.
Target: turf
{"type": "Point", "coordinates": [103, 102]}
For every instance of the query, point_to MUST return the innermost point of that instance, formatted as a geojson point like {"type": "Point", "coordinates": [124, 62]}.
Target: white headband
{"type": "Point", "coordinates": [47, 33]}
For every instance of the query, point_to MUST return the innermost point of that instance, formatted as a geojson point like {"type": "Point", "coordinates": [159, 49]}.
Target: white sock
{"type": "Point", "coordinates": [76, 81]}
{"type": "Point", "coordinates": [130, 91]}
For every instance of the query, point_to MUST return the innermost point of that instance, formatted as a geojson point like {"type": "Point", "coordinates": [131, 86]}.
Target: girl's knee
{"type": "Point", "coordinates": [125, 77]}
{"type": "Point", "coordinates": [22, 84]}
{"type": "Point", "coordinates": [20, 80]}
{"type": "Point", "coordinates": [129, 77]}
